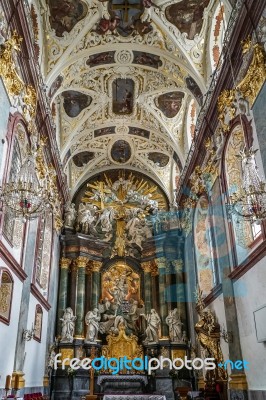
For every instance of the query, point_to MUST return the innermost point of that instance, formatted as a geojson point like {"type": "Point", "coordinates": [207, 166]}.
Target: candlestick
{"type": "Point", "coordinates": [16, 385]}
{"type": "Point", "coordinates": [8, 383]}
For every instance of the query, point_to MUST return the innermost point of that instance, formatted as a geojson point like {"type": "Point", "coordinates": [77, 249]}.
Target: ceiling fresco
{"type": "Point", "coordinates": [75, 102]}
{"type": "Point", "coordinates": [65, 14]}
{"type": "Point", "coordinates": [170, 103]}
{"type": "Point", "coordinates": [187, 16]}
{"type": "Point", "coordinates": [120, 76]}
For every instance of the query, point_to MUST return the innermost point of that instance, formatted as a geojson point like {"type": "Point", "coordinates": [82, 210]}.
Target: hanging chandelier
{"type": "Point", "coordinates": [24, 195]}
{"type": "Point", "coordinates": [249, 201]}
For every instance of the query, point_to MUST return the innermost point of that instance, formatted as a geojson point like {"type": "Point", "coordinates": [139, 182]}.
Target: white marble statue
{"type": "Point", "coordinates": [70, 215]}
{"type": "Point", "coordinates": [153, 324]}
{"type": "Point", "coordinates": [86, 218]}
{"type": "Point", "coordinates": [68, 326]}
{"type": "Point", "coordinates": [106, 219]}
{"type": "Point", "coordinates": [175, 326]}
{"type": "Point", "coordinates": [92, 320]}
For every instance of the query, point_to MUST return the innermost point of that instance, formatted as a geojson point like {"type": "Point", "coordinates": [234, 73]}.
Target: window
{"type": "Point", "coordinates": [244, 232]}
{"type": "Point", "coordinates": [44, 254]}
{"type": "Point", "coordinates": [6, 293]}
{"type": "Point", "coordinates": [38, 323]}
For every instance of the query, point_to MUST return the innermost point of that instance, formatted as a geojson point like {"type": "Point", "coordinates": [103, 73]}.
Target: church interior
{"type": "Point", "coordinates": [132, 199]}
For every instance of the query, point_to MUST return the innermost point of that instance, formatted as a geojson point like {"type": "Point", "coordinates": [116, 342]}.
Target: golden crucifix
{"type": "Point", "coordinates": [119, 202]}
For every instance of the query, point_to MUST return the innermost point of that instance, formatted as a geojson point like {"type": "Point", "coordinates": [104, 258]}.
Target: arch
{"type": "Point", "coordinates": [38, 323]}
{"type": "Point", "coordinates": [6, 295]}
{"type": "Point", "coordinates": [243, 233]}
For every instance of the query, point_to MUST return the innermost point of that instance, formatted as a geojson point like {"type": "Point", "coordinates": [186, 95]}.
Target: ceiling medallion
{"type": "Point", "coordinates": [121, 130]}
{"type": "Point", "coordinates": [126, 17]}
{"type": "Point", "coordinates": [124, 57]}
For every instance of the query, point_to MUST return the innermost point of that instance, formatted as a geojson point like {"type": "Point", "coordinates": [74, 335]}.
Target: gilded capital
{"type": "Point", "coordinates": [146, 266]}
{"type": "Point", "coordinates": [238, 381]}
{"type": "Point", "coordinates": [96, 266]}
{"type": "Point", "coordinates": [65, 262]}
{"type": "Point", "coordinates": [81, 262]}
{"type": "Point", "coordinates": [161, 262]}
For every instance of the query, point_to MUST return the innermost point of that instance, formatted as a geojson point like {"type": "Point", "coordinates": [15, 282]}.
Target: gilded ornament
{"type": "Point", "coordinates": [5, 291]}
{"type": "Point", "coordinates": [226, 104]}
{"type": "Point", "coordinates": [122, 345]}
{"type": "Point", "coordinates": [255, 77]}
{"type": "Point", "coordinates": [146, 266]}
{"type": "Point", "coordinates": [96, 266]}
{"type": "Point", "coordinates": [81, 262]}
{"type": "Point", "coordinates": [12, 80]}
{"type": "Point", "coordinates": [65, 262]}
{"type": "Point", "coordinates": [209, 333]}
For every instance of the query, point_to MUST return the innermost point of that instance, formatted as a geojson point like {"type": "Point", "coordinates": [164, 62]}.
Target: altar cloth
{"type": "Point", "coordinates": [118, 378]}
{"type": "Point", "coordinates": [133, 397]}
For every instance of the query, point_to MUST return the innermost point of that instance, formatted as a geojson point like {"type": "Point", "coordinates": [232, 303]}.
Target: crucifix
{"type": "Point", "coordinates": [92, 396]}
{"type": "Point", "coordinates": [126, 6]}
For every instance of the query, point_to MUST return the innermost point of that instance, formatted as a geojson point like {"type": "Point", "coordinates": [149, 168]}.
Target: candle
{"type": "Point", "coordinates": [8, 382]}
{"type": "Point", "coordinates": [16, 382]}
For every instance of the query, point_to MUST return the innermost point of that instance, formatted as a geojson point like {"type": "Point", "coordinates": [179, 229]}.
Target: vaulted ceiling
{"type": "Point", "coordinates": [126, 79]}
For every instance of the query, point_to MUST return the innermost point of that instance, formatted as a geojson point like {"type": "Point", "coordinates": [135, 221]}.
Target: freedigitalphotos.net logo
{"type": "Point", "coordinates": [136, 364]}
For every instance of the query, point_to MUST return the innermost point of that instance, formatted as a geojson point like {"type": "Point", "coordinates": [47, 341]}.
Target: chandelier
{"type": "Point", "coordinates": [249, 202]}
{"type": "Point", "coordinates": [24, 195]}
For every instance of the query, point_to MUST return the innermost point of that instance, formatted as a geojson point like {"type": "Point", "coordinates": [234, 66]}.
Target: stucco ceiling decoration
{"type": "Point", "coordinates": [124, 71]}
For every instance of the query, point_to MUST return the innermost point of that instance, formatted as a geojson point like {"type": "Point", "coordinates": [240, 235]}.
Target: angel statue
{"type": "Point", "coordinates": [70, 215]}
{"type": "Point", "coordinates": [68, 326]}
{"type": "Point", "coordinates": [153, 325]}
{"type": "Point", "coordinates": [92, 320]}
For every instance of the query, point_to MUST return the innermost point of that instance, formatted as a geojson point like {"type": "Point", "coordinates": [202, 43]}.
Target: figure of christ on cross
{"type": "Point", "coordinates": [125, 6]}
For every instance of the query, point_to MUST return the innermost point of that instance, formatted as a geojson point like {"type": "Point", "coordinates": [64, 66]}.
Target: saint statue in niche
{"type": "Point", "coordinates": [123, 93]}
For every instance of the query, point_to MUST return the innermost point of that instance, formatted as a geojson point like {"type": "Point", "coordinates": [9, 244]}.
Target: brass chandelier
{"type": "Point", "coordinates": [249, 201]}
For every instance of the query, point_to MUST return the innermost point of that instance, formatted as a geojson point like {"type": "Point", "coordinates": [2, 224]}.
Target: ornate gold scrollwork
{"type": "Point", "coordinates": [65, 262]}
{"type": "Point", "coordinates": [122, 345]}
{"type": "Point", "coordinates": [256, 74]}
{"type": "Point", "coordinates": [14, 84]}
{"type": "Point", "coordinates": [208, 334]}
{"type": "Point", "coordinates": [226, 105]}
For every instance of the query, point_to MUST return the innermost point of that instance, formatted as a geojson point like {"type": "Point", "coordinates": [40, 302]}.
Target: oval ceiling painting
{"type": "Point", "coordinates": [170, 103]}
{"type": "Point", "coordinates": [121, 151]}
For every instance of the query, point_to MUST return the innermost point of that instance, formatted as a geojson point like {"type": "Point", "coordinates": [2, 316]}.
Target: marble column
{"type": "Point", "coordinates": [81, 263]}
{"type": "Point", "coordinates": [146, 266]}
{"type": "Point", "coordinates": [180, 290]}
{"type": "Point", "coordinates": [96, 282]}
{"type": "Point", "coordinates": [161, 263]}
{"type": "Point", "coordinates": [63, 287]}
{"type": "Point", "coordinates": [73, 286]}
{"type": "Point", "coordinates": [154, 287]}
